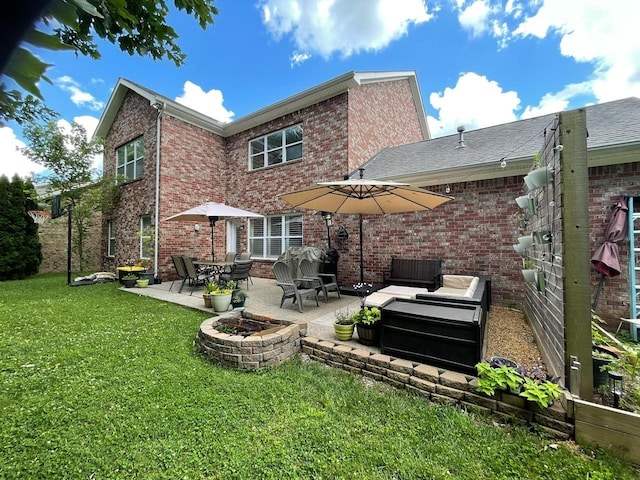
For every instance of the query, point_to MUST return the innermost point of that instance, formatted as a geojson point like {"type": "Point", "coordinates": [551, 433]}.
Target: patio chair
{"type": "Point", "coordinates": [291, 289]}
{"type": "Point", "coordinates": [246, 256]}
{"type": "Point", "coordinates": [327, 282]}
{"type": "Point", "coordinates": [193, 276]}
{"type": "Point", "coordinates": [239, 272]}
{"type": "Point", "coordinates": [178, 263]}
{"type": "Point", "coordinates": [229, 258]}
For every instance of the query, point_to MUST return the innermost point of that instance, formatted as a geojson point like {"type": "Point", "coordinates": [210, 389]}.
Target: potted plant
{"type": "Point", "coordinates": [142, 282]}
{"type": "Point", "coordinates": [529, 270]}
{"type": "Point", "coordinates": [221, 293]}
{"type": "Point", "coordinates": [526, 240]}
{"type": "Point", "coordinates": [368, 325]}
{"type": "Point", "coordinates": [129, 280]}
{"type": "Point", "coordinates": [146, 264]}
{"type": "Point", "coordinates": [343, 325]}
{"type": "Point", "coordinates": [238, 298]}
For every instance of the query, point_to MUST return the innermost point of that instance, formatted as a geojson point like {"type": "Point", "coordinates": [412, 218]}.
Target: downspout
{"type": "Point", "coordinates": [160, 106]}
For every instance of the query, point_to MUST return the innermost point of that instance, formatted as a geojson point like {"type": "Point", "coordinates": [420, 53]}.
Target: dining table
{"type": "Point", "coordinates": [215, 267]}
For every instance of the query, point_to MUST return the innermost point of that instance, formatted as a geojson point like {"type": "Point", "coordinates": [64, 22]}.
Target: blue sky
{"type": "Point", "coordinates": [479, 62]}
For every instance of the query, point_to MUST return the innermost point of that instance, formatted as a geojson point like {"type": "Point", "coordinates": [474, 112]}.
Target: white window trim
{"type": "Point", "coordinates": [136, 157]}
{"type": "Point", "coordinates": [285, 239]}
{"type": "Point", "coordinates": [111, 236]}
{"type": "Point", "coordinates": [283, 147]}
{"type": "Point", "coordinates": [144, 224]}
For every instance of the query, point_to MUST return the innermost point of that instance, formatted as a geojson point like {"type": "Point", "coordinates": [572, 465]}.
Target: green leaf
{"type": "Point", "coordinates": [44, 40]}
{"type": "Point", "coordinates": [87, 7]}
{"type": "Point", "coordinates": [26, 69]}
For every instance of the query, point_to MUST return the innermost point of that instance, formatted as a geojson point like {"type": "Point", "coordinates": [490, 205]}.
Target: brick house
{"type": "Point", "coordinates": [177, 158]}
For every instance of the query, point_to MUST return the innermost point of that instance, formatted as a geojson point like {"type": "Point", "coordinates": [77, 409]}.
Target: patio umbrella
{"type": "Point", "coordinates": [606, 258]}
{"type": "Point", "coordinates": [211, 212]}
{"type": "Point", "coordinates": [362, 196]}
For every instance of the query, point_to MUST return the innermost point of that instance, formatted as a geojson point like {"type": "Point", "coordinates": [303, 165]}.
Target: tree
{"type": "Point", "coordinates": [20, 249]}
{"type": "Point", "coordinates": [67, 158]}
{"type": "Point", "coordinates": [137, 27]}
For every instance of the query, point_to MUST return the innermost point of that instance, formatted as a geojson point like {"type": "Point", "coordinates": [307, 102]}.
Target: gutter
{"type": "Point", "coordinates": [160, 106]}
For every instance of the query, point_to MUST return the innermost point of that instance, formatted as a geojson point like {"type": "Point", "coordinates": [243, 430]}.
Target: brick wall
{"type": "Point", "coordinates": [381, 115]}
{"type": "Point", "coordinates": [53, 238]}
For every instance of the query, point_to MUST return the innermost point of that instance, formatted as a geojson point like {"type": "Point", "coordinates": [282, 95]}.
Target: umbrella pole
{"type": "Point", "coordinates": [212, 222]}
{"type": "Point", "coordinates": [361, 255]}
{"type": "Point", "coordinates": [598, 291]}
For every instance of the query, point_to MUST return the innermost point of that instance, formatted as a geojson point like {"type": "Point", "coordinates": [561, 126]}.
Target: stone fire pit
{"type": "Point", "coordinates": [278, 341]}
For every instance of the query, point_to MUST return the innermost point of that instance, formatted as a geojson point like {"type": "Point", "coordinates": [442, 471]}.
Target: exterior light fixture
{"type": "Point", "coordinates": [447, 189]}
{"type": "Point", "coordinates": [616, 386]}
{"type": "Point", "coordinates": [196, 227]}
{"type": "Point", "coordinates": [327, 216]}
{"type": "Point", "coordinates": [503, 163]}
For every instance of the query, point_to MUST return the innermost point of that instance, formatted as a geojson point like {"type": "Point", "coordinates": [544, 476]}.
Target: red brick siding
{"type": "Point", "coordinates": [381, 115]}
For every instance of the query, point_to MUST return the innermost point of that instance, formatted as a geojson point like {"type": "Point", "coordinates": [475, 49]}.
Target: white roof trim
{"type": "Point", "coordinates": [304, 99]}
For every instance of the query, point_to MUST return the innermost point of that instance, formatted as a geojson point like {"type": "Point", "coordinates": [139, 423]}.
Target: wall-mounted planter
{"type": "Point", "coordinates": [526, 241]}
{"type": "Point", "coordinates": [529, 183]}
{"type": "Point", "coordinates": [543, 236]}
{"type": "Point", "coordinates": [519, 248]}
{"type": "Point", "coordinates": [541, 283]}
{"type": "Point", "coordinates": [523, 201]}
{"type": "Point", "coordinates": [539, 177]}
{"type": "Point", "coordinates": [529, 275]}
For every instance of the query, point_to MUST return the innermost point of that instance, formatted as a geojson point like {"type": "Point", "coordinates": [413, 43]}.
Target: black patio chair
{"type": "Point", "coordinates": [239, 272]}
{"type": "Point", "coordinates": [193, 276]}
{"type": "Point", "coordinates": [178, 263]}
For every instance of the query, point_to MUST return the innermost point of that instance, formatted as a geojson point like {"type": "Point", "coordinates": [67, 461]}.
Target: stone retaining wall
{"type": "Point", "coordinates": [441, 386]}
{"type": "Point", "coordinates": [252, 352]}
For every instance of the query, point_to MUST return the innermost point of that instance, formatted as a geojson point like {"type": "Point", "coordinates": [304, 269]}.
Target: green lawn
{"type": "Point", "coordinates": [96, 383]}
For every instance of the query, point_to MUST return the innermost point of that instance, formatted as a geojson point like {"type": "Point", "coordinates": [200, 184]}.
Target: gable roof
{"type": "Point", "coordinates": [312, 96]}
{"type": "Point", "coordinates": [440, 160]}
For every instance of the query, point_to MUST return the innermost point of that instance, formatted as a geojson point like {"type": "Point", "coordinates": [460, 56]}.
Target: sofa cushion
{"type": "Point", "coordinates": [380, 299]}
{"type": "Point", "coordinates": [457, 281]}
{"type": "Point", "coordinates": [406, 292]}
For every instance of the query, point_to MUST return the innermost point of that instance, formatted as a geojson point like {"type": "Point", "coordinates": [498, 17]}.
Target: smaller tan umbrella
{"type": "Point", "coordinates": [372, 197]}
{"type": "Point", "coordinates": [211, 212]}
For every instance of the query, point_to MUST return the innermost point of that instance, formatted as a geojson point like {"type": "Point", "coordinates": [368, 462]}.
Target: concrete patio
{"type": "Point", "coordinates": [263, 297]}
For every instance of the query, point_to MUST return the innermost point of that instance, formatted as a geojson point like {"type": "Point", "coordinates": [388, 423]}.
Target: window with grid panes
{"type": "Point", "coordinates": [111, 247]}
{"type": "Point", "coordinates": [277, 147]}
{"type": "Point", "coordinates": [130, 160]}
{"type": "Point", "coordinates": [271, 236]}
{"type": "Point", "coordinates": [146, 245]}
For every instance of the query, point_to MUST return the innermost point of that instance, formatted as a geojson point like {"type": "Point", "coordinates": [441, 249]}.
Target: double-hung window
{"type": "Point", "coordinates": [271, 236]}
{"type": "Point", "coordinates": [277, 147]}
{"type": "Point", "coordinates": [111, 247]}
{"type": "Point", "coordinates": [130, 160]}
{"type": "Point", "coordinates": [146, 237]}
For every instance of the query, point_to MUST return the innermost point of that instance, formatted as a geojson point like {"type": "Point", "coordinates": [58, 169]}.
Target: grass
{"type": "Point", "coordinates": [97, 383]}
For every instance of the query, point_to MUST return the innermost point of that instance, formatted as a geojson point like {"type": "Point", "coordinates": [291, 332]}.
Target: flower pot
{"type": "Point", "coordinates": [368, 334]}
{"type": "Point", "coordinates": [237, 304]}
{"type": "Point", "coordinates": [142, 282]}
{"type": "Point", "coordinates": [523, 202]}
{"type": "Point", "coordinates": [343, 332]}
{"type": "Point", "coordinates": [207, 300]}
{"type": "Point", "coordinates": [540, 176]}
{"type": "Point", "coordinates": [221, 302]}
{"type": "Point", "coordinates": [519, 248]}
{"type": "Point", "coordinates": [128, 282]}
{"type": "Point", "coordinates": [529, 275]}
{"type": "Point", "coordinates": [526, 241]}
{"type": "Point", "coordinates": [529, 183]}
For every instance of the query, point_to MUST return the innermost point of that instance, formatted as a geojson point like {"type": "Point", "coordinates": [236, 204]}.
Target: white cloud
{"type": "Point", "coordinates": [13, 162]}
{"type": "Point", "coordinates": [601, 33]}
{"type": "Point", "coordinates": [78, 96]}
{"type": "Point", "coordinates": [346, 27]}
{"type": "Point", "coordinates": [475, 18]}
{"type": "Point", "coordinates": [208, 103]}
{"type": "Point", "coordinates": [474, 102]}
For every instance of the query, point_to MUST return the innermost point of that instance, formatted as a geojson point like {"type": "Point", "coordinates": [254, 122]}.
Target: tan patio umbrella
{"type": "Point", "coordinates": [369, 197]}
{"type": "Point", "coordinates": [211, 212]}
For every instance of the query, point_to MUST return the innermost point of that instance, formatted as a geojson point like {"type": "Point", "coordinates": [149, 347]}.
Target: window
{"type": "Point", "coordinates": [275, 148]}
{"type": "Point", "coordinates": [271, 236]}
{"type": "Point", "coordinates": [130, 160]}
{"type": "Point", "coordinates": [111, 247]}
{"type": "Point", "coordinates": [146, 237]}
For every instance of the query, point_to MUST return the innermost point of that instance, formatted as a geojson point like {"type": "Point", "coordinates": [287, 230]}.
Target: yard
{"type": "Point", "coordinates": [96, 383]}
